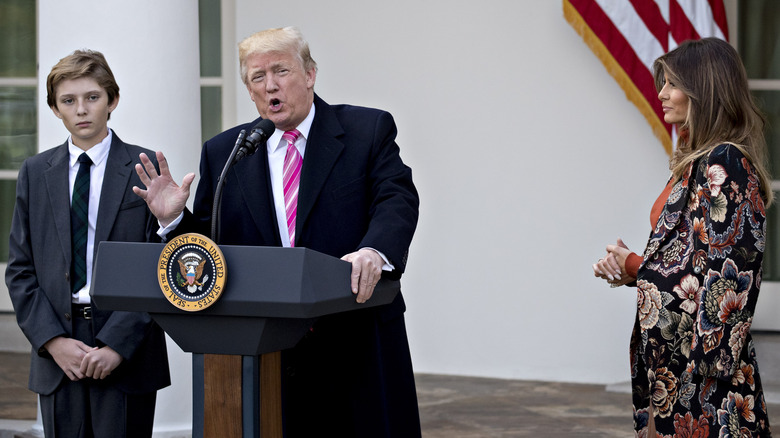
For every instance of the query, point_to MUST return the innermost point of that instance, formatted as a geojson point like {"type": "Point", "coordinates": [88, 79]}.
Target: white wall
{"type": "Point", "coordinates": [528, 159]}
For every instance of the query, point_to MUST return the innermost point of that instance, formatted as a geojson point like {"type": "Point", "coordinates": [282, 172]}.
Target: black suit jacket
{"type": "Point", "coordinates": [39, 265]}
{"type": "Point", "coordinates": [352, 374]}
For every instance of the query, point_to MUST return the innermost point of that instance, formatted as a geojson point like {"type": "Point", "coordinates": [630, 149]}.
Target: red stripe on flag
{"type": "Point", "coordinates": [654, 20]}
{"type": "Point", "coordinates": [719, 16]}
{"type": "Point", "coordinates": [621, 51]}
{"type": "Point", "coordinates": [681, 27]}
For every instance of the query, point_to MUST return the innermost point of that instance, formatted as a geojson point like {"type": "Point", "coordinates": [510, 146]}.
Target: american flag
{"type": "Point", "coordinates": [628, 35]}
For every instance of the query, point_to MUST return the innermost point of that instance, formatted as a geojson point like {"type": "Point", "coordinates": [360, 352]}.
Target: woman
{"type": "Point", "coordinates": [693, 365]}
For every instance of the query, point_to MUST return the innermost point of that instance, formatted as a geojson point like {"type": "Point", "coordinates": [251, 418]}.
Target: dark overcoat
{"type": "Point", "coordinates": [352, 374]}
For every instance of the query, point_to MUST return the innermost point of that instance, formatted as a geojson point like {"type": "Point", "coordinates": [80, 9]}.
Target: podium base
{"type": "Point", "coordinates": [237, 396]}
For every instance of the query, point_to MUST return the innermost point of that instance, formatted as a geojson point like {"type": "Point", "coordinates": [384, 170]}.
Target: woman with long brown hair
{"type": "Point", "coordinates": [693, 364]}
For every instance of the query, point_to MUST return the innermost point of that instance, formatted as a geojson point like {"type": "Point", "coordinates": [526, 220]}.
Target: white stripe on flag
{"type": "Point", "coordinates": [700, 15]}
{"type": "Point", "coordinates": [634, 30]}
{"type": "Point", "coordinates": [663, 5]}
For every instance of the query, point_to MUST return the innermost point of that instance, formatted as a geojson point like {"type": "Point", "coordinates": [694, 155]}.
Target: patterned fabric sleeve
{"type": "Point", "coordinates": [728, 232]}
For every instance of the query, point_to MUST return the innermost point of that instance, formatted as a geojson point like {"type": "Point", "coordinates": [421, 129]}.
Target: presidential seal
{"type": "Point", "coordinates": [191, 272]}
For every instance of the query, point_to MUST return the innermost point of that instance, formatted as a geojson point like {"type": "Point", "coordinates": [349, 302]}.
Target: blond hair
{"type": "Point", "coordinates": [282, 40]}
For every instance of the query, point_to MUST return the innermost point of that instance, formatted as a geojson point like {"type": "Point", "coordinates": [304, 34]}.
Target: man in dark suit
{"type": "Point", "coordinates": [352, 374]}
{"type": "Point", "coordinates": [97, 372]}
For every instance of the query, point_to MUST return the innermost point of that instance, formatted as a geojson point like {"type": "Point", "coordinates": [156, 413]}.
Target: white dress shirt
{"type": "Point", "coordinates": [99, 155]}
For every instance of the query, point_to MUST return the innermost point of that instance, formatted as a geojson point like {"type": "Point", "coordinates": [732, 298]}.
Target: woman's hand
{"type": "Point", "coordinates": [612, 267]}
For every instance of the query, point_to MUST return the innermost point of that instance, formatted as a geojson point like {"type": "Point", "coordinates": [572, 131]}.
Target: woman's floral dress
{"type": "Point", "coordinates": [692, 355]}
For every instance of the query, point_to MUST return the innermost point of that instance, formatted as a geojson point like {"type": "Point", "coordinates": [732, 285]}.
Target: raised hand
{"type": "Point", "coordinates": [165, 198]}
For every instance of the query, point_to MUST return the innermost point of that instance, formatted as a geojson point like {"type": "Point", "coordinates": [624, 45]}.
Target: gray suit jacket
{"type": "Point", "coordinates": [39, 264]}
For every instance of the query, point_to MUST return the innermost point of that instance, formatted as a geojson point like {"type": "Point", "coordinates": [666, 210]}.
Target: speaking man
{"type": "Point", "coordinates": [331, 179]}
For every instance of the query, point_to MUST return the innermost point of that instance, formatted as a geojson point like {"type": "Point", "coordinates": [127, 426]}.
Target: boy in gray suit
{"type": "Point", "coordinates": [96, 372]}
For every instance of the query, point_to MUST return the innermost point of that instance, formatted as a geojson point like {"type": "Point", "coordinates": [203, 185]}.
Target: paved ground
{"type": "Point", "coordinates": [455, 407]}
{"type": "Point", "coordinates": [451, 407]}
{"type": "Point", "coordinates": [463, 407]}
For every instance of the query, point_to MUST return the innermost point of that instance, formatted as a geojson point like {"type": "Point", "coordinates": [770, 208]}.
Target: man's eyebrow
{"type": "Point", "coordinates": [272, 67]}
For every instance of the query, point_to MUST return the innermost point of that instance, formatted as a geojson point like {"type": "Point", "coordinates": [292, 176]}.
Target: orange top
{"type": "Point", "coordinates": [633, 260]}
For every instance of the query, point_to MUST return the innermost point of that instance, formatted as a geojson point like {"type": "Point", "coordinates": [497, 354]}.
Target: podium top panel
{"type": "Point", "coordinates": [260, 282]}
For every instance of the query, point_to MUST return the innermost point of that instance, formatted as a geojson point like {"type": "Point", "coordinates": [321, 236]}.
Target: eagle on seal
{"type": "Point", "coordinates": [192, 269]}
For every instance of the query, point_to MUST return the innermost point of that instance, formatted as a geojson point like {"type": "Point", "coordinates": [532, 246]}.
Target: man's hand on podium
{"type": "Point", "coordinates": [366, 272]}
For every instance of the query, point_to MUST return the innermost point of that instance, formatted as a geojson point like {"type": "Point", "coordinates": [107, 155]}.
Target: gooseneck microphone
{"type": "Point", "coordinates": [244, 147]}
{"type": "Point", "coordinates": [258, 135]}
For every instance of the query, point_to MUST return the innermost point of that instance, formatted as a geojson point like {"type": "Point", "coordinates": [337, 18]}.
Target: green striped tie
{"type": "Point", "coordinates": [79, 216]}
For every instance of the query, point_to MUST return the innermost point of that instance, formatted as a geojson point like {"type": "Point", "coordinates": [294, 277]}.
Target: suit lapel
{"type": "Point", "coordinates": [253, 180]}
{"type": "Point", "coordinates": [59, 196]}
{"type": "Point", "coordinates": [322, 151]}
{"type": "Point", "coordinates": [118, 172]}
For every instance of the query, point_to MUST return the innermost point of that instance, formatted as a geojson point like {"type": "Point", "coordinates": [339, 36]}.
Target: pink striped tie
{"type": "Point", "coordinates": [291, 178]}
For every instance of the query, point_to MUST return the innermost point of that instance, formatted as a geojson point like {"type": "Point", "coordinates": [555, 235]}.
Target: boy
{"type": "Point", "coordinates": [96, 372]}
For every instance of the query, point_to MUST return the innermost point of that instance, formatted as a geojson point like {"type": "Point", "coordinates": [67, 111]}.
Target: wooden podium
{"type": "Point", "coordinates": [271, 298]}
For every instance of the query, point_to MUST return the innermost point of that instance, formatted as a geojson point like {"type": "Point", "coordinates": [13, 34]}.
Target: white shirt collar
{"type": "Point", "coordinates": [275, 141]}
{"type": "Point", "coordinates": [96, 153]}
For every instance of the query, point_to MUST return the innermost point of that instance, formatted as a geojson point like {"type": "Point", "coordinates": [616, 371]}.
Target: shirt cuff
{"type": "Point", "coordinates": [387, 266]}
{"type": "Point", "coordinates": [163, 231]}
{"type": "Point", "coordinates": [632, 264]}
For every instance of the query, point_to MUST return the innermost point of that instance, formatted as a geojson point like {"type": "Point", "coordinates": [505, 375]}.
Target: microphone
{"type": "Point", "coordinates": [243, 148]}
{"type": "Point", "coordinates": [259, 134]}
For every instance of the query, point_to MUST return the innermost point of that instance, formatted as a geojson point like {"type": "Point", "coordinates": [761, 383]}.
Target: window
{"type": "Point", "coordinates": [209, 21]}
{"type": "Point", "coordinates": [18, 87]}
{"type": "Point", "coordinates": [758, 44]}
